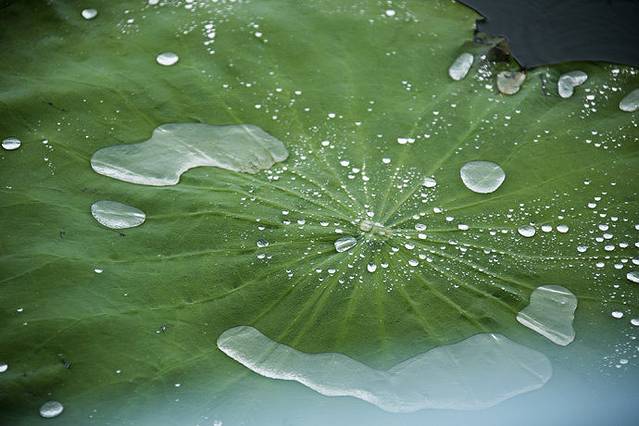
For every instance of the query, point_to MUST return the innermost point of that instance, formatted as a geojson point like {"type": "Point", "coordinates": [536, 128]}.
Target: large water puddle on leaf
{"type": "Point", "coordinates": [550, 313]}
{"type": "Point", "coordinates": [175, 148]}
{"type": "Point", "coordinates": [475, 373]}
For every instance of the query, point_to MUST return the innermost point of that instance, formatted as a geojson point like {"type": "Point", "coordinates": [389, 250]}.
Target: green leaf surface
{"type": "Point", "coordinates": [136, 343]}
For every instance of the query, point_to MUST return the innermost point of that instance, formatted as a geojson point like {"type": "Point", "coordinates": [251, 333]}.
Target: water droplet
{"type": "Point", "coordinates": [546, 228]}
{"type": "Point", "coordinates": [429, 182]}
{"type": "Point", "coordinates": [153, 2]}
{"type": "Point", "coordinates": [526, 231]}
{"type": "Point", "coordinates": [175, 148]}
{"type": "Point", "coordinates": [11, 144]}
{"type": "Point", "coordinates": [562, 229]}
{"type": "Point", "coordinates": [630, 103]}
{"type": "Point", "coordinates": [3, 367]}
{"type": "Point", "coordinates": [89, 14]}
{"type": "Point", "coordinates": [390, 12]}
{"type": "Point", "coordinates": [463, 227]}
{"type": "Point", "coordinates": [567, 83]}
{"type": "Point", "coordinates": [550, 313]}
{"type": "Point", "coordinates": [420, 227]}
{"type": "Point", "coordinates": [482, 177]}
{"type": "Point", "coordinates": [51, 409]}
{"type": "Point", "coordinates": [633, 276]}
{"type": "Point", "coordinates": [116, 215]}
{"type": "Point", "coordinates": [261, 243]}
{"type": "Point", "coordinates": [371, 267]}
{"type": "Point", "coordinates": [617, 314]}
{"type": "Point", "coordinates": [167, 59]}
{"type": "Point", "coordinates": [635, 322]}
{"type": "Point", "coordinates": [509, 82]}
{"type": "Point", "coordinates": [344, 244]}
{"type": "Point", "coordinates": [447, 374]}
{"type": "Point", "coordinates": [413, 262]}
{"type": "Point", "coordinates": [582, 249]}
{"type": "Point", "coordinates": [461, 66]}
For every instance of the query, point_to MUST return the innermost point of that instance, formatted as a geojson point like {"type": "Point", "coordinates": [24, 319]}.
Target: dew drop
{"type": "Point", "coordinates": [261, 243]}
{"type": "Point", "coordinates": [3, 367]}
{"type": "Point", "coordinates": [463, 227]}
{"type": "Point", "coordinates": [582, 249]}
{"type": "Point", "coordinates": [460, 67]}
{"type": "Point", "coordinates": [635, 322]}
{"type": "Point", "coordinates": [526, 231]}
{"type": "Point", "coordinates": [567, 83]}
{"type": "Point", "coordinates": [345, 243]}
{"type": "Point", "coordinates": [633, 276]}
{"type": "Point", "coordinates": [546, 228]}
{"type": "Point", "coordinates": [371, 267]}
{"type": "Point", "coordinates": [509, 82]}
{"type": "Point", "coordinates": [11, 144]}
{"type": "Point", "coordinates": [562, 229]}
{"type": "Point", "coordinates": [116, 215]}
{"type": "Point", "coordinates": [167, 59]}
{"type": "Point", "coordinates": [482, 177]}
{"type": "Point", "coordinates": [429, 182]}
{"type": "Point", "coordinates": [630, 103]}
{"type": "Point", "coordinates": [51, 409]}
{"type": "Point", "coordinates": [89, 14]}
{"type": "Point", "coordinates": [617, 314]}
{"type": "Point", "coordinates": [413, 262]}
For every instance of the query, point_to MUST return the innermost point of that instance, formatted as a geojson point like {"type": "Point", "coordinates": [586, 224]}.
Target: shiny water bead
{"type": "Point", "coordinates": [633, 276]}
{"type": "Point", "coordinates": [261, 243]}
{"type": "Point", "coordinates": [460, 67]}
{"type": "Point", "coordinates": [51, 409]}
{"type": "Point", "coordinates": [482, 177]}
{"type": "Point", "coordinates": [567, 83]}
{"type": "Point", "coordinates": [116, 215]}
{"type": "Point", "coordinates": [562, 229]}
{"type": "Point", "coordinates": [3, 367]}
{"type": "Point", "coordinates": [167, 59]}
{"type": "Point", "coordinates": [344, 244]}
{"type": "Point", "coordinates": [89, 14]}
{"type": "Point", "coordinates": [526, 231]}
{"type": "Point", "coordinates": [630, 103]}
{"type": "Point", "coordinates": [617, 314]}
{"type": "Point", "coordinates": [509, 82]}
{"type": "Point", "coordinates": [11, 144]}
{"type": "Point", "coordinates": [429, 182]}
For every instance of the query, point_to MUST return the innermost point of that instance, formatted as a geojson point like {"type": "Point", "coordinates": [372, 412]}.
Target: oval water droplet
{"type": "Point", "coordinates": [633, 276]}
{"type": "Point", "coordinates": [371, 267]}
{"type": "Point", "coordinates": [261, 243]}
{"type": "Point", "coordinates": [526, 231]}
{"type": "Point", "coordinates": [11, 144]}
{"type": "Point", "coordinates": [567, 83]}
{"type": "Point", "coordinates": [429, 182]}
{"type": "Point", "coordinates": [344, 244]}
{"type": "Point", "coordinates": [167, 59]}
{"type": "Point", "coordinates": [482, 177]}
{"type": "Point", "coordinates": [3, 367]}
{"type": "Point", "coordinates": [509, 82]}
{"type": "Point", "coordinates": [116, 215]}
{"type": "Point", "coordinates": [51, 409]}
{"type": "Point", "coordinates": [562, 229]}
{"type": "Point", "coordinates": [617, 314]}
{"type": "Point", "coordinates": [582, 249]}
{"type": "Point", "coordinates": [89, 14]}
{"type": "Point", "coordinates": [630, 102]}
{"type": "Point", "coordinates": [460, 67]}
